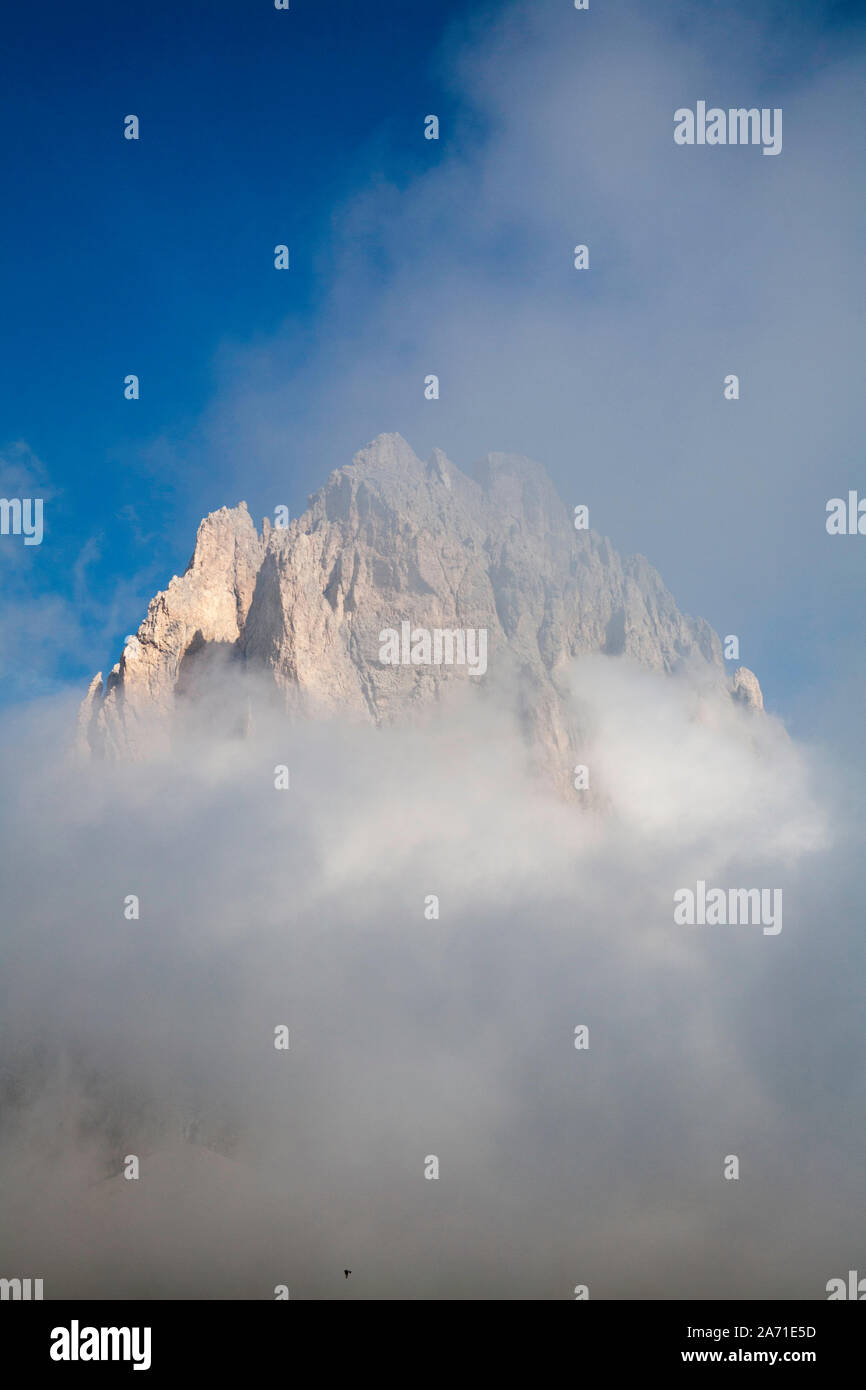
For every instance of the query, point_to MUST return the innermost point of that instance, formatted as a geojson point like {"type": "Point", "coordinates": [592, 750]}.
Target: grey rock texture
{"type": "Point", "coordinates": [391, 539]}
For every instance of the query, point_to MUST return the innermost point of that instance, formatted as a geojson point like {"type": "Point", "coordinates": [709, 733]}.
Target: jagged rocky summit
{"type": "Point", "coordinates": [391, 540]}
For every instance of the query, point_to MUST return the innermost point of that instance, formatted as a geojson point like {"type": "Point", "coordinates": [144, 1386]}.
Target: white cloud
{"type": "Point", "coordinates": [411, 1037]}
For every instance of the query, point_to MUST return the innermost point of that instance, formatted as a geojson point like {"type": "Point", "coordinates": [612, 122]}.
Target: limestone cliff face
{"type": "Point", "coordinates": [389, 540]}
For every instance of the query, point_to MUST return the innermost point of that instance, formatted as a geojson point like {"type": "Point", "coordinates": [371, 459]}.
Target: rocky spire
{"type": "Point", "coordinates": [747, 689]}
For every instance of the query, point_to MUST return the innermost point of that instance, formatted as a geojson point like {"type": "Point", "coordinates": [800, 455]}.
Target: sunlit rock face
{"type": "Point", "coordinates": [394, 545]}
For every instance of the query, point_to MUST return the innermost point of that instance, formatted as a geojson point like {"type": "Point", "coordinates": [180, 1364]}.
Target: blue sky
{"type": "Point", "coordinates": [258, 127]}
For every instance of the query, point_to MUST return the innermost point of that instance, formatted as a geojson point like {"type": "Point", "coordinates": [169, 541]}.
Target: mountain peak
{"type": "Point", "coordinates": [394, 545]}
{"type": "Point", "coordinates": [386, 451]}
